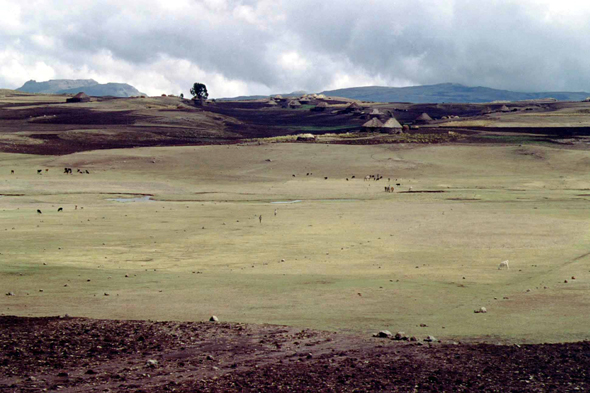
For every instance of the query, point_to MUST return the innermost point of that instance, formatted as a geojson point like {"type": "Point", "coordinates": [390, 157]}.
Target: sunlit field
{"type": "Point", "coordinates": [293, 234]}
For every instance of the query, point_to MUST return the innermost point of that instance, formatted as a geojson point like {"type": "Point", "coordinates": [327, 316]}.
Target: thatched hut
{"type": "Point", "coordinates": [423, 118]}
{"type": "Point", "coordinates": [392, 126]}
{"type": "Point", "coordinates": [80, 97]}
{"type": "Point", "coordinates": [271, 102]}
{"type": "Point", "coordinates": [293, 104]}
{"type": "Point", "coordinates": [353, 107]}
{"type": "Point", "coordinates": [376, 113]}
{"type": "Point", "coordinates": [504, 108]}
{"type": "Point", "coordinates": [321, 106]}
{"type": "Point", "coordinates": [372, 125]}
{"type": "Point", "coordinates": [306, 137]}
{"type": "Point", "coordinates": [278, 97]}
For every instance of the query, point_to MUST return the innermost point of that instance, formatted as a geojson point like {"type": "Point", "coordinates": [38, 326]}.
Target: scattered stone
{"type": "Point", "coordinates": [565, 281]}
{"type": "Point", "coordinates": [383, 334]}
{"type": "Point", "coordinates": [413, 338]}
{"type": "Point", "coordinates": [213, 319]}
{"type": "Point", "coordinates": [151, 363]}
{"type": "Point", "coordinates": [106, 294]}
{"type": "Point", "coordinates": [10, 294]}
{"type": "Point", "coordinates": [282, 260]}
{"type": "Point", "coordinates": [423, 325]}
{"type": "Point", "coordinates": [400, 336]}
{"type": "Point", "coordinates": [482, 310]}
{"type": "Point", "coordinates": [40, 290]}
{"type": "Point", "coordinates": [430, 339]}
{"type": "Point", "coordinates": [209, 357]}
{"type": "Point", "coordinates": [573, 278]}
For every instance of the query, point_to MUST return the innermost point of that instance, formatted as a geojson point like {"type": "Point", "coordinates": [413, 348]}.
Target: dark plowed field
{"type": "Point", "coordinates": [83, 355]}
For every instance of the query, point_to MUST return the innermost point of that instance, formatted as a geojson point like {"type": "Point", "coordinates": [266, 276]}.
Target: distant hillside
{"type": "Point", "coordinates": [74, 86]}
{"type": "Point", "coordinates": [106, 89]}
{"type": "Point", "coordinates": [446, 92]}
{"type": "Point", "coordinates": [249, 98]}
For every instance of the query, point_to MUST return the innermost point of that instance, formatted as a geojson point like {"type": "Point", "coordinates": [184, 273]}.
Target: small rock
{"type": "Point", "coordinates": [413, 338]}
{"type": "Point", "coordinates": [400, 336]}
{"type": "Point", "coordinates": [282, 260]}
{"type": "Point", "coordinates": [423, 325]}
{"type": "Point", "coordinates": [383, 334]}
{"type": "Point", "coordinates": [565, 281]}
{"type": "Point", "coordinates": [573, 278]}
{"type": "Point", "coordinates": [40, 290]}
{"type": "Point", "coordinates": [151, 363]}
{"type": "Point", "coordinates": [481, 310]}
{"type": "Point", "coordinates": [430, 339]}
{"type": "Point", "coordinates": [106, 294]}
{"type": "Point", "coordinates": [209, 357]}
{"type": "Point", "coordinates": [10, 294]}
{"type": "Point", "coordinates": [213, 319]}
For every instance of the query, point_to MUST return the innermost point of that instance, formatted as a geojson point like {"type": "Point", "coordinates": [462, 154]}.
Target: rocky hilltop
{"type": "Point", "coordinates": [73, 86]}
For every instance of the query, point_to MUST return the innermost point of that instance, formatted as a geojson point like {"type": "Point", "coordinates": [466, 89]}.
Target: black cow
{"type": "Point", "coordinates": [61, 209]}
{"type": "Point", "coordinates": [39, 211]}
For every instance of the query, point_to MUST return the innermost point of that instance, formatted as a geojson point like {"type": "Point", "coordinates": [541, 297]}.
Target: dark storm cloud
{"type": "Point", "coordinates": [247, 47]}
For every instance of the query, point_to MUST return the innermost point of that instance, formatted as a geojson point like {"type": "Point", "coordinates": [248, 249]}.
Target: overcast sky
{"type": "Point", "coordinates": [244, 47]}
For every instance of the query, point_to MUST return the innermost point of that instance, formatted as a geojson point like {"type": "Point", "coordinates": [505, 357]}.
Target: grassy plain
{"type": "Point", "coordinates": [355, 258]}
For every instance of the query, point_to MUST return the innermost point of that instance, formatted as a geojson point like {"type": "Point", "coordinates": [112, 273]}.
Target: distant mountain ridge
{"type": "Point", "coordinates": [448, 93]}
{"type": "Point", "coordinates": [74, 86]}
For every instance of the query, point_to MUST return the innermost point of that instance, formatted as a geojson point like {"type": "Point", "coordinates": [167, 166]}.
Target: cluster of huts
{"type": "Point", "coordinates": [377, 120]}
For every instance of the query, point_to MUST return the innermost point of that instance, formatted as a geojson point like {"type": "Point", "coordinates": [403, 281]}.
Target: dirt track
{"type": "Point", "coordinates": [78, 355]}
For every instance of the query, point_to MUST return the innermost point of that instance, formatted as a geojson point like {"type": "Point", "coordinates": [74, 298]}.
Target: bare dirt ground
{"type": "Point", "coordinates": [83, 355]}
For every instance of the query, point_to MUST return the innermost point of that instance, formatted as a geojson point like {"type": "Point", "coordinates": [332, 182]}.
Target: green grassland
{"type": "Point", "coordinates": [355, 258]}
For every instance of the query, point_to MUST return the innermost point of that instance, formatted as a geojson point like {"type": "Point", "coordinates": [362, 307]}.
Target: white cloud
{"type": "Point", "coordinates": [267, 46]}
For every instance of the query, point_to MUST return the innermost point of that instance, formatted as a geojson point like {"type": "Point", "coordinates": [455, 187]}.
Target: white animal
{"type": "Point", "coordinates": [504, 264]}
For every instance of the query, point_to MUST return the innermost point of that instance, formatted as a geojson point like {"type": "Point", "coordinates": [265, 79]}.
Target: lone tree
{"type": "Point", "coordinates": [199, 91]}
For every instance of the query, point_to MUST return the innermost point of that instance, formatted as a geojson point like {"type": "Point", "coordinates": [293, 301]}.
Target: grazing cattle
{"type": "Point", "coordinates": [46, 169]}
{"type": "Point", "coordinates": [87, 171]}
{"type": "Point", "coordinates": [275, 212]}
{"type": "Point", "coordinates": [504, 265]}
{"type": "Point", "coordinates": [367, 178]}
{"type": "Point", "coordinates": [12, 171]}
{"type": "Point", "coordinates": [410, 189]}
{"type": "Point", "coordinates": [353, 177]}
{"type": "Point", "coordinates": [39, 211]}
{"type": "Point", "coordinates": [61, 209]}
{"type": "Point", "coordinates": [260, 218]}
{"type": "Point", "coordinates": [347, 179]}
{"type": "Point", "coordinates": [326, 178]}
{"type": "Point", "coordinates": [39, 171]}
{"type": "Point", "coordinates": [398, 184]}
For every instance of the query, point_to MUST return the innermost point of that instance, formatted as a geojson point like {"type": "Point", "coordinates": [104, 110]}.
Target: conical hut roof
{"type": "Point", "coordinates": [353, 106]}
{"type": "Point", "coordinates": [392, 123]}
{"type": "Point", "coordinates": [373, 123]}
{"type": "Point", "coordinates": [81, 95]}
{"type": "Point", "coordinates": [322, 104]}
{"type": "Point", "coordinates": [376, 112]}
{"type": "Point", "coordinates": [272, 102]}
{"type": "Point", "coordinates": [424, 117]}
{"type": "Point", "coordinates": [504, 108]}
{"type": "Point", "coordinates": [294, 103]}
{"type": "Point", "coordinates": [278, 97]}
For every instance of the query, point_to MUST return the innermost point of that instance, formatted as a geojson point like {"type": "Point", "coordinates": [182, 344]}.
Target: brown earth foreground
{"type": "Point", "coordinates": [79, 355]}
